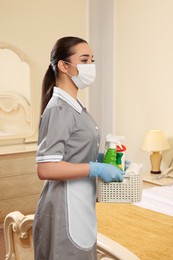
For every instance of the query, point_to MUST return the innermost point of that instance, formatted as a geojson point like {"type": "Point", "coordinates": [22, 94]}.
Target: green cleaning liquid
{"type": "Point", "coordinates": [119, 160]}
{"type": "Point", "coordinates": [110, 156]}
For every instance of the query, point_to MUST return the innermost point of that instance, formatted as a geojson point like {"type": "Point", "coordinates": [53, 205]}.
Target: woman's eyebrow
{"type": "Point", "coordinates": [86, 55]}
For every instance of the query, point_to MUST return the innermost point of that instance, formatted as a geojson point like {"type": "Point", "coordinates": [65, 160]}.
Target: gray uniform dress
{"type": "Point", "coordinates": [65, 225]}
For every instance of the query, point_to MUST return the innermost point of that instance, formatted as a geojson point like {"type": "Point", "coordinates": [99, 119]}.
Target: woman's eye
{"type": "Point", "coordinates": [88, 61]}
{"type": "Point", "coordinates": [84, 61]}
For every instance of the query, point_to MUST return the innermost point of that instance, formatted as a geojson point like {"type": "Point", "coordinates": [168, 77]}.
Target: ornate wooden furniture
{"type": "Point", "coordinates": [19, 246]}
{"type": "Point", "coordinates": [19, 184]}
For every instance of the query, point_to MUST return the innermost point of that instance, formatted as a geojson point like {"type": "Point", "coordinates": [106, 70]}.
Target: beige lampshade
{"type": "Point", "coordinates": [154, 141]}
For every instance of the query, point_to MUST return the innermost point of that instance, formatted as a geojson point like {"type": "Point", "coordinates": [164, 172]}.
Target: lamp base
{"type": "Point", "coordinates": [155, 172]}
{"type": "Point", "coordinates": [155, 158]}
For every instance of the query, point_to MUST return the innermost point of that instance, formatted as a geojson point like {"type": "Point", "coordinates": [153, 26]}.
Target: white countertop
{"type": "Point", "coordinates": [154, 179]}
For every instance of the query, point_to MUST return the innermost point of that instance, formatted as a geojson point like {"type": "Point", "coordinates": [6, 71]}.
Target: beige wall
{"type": "Point", "coordinates": [34, 26]}
{"type": "Point", "coordinates": [144, 73]}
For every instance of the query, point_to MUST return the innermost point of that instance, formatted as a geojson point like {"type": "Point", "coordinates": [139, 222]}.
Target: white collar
{"type": "Point", "coordinates": [66, 97]}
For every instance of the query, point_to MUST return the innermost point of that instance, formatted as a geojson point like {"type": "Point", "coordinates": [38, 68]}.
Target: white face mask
{"type": "Point", "coordinates": [86, 75]}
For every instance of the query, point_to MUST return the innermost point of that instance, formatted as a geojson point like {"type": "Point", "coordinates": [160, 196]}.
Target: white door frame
{"type": "Point", "coordinates": [101, 34]}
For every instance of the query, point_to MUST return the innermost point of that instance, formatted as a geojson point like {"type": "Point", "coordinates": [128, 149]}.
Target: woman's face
{"type": "Point", "coordinates": [82, 55]}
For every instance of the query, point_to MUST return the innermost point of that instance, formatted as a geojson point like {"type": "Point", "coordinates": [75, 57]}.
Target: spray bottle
{"type": "Point", "coordinates": [120, 160]}
{"type": "Point", "coordinates": [114, 151]}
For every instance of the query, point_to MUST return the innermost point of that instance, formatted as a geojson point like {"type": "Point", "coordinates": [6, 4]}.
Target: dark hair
{"type": "Point", "coordinates": [62, 50]}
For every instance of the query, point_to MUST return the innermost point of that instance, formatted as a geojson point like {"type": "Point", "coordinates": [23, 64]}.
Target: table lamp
{"type": "Point", "coordinates": [155, 142]}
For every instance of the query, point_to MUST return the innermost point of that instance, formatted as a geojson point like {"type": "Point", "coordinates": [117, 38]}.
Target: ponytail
{"type": "Point", "coordinates": [49, 82]}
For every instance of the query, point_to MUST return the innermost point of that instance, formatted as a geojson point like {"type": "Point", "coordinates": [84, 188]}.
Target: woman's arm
{"type": "Point", "coordinates": [62, 170]}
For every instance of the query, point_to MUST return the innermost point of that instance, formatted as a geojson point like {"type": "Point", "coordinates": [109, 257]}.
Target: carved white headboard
{"type": "Point", "coordinates": [15, 115]}
{"type": "Point", "coordinates": [16, 95]}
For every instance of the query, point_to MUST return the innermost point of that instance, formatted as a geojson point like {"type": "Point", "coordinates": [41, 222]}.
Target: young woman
{"type": "Point", "coordinates": [65, 222]}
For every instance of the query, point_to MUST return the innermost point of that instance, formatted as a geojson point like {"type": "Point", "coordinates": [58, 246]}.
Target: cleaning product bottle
{"type": "Point", "coordinates": [120, 159]}
{"type": "Point", "coordinates": [112, 155]}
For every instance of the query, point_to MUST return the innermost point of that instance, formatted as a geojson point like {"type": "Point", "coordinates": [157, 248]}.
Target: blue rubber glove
{"type": "Point", "coordinates": [105, 171]}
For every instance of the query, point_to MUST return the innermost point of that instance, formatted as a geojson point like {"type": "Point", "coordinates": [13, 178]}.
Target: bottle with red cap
{"type": "Point", "coordinates": [115, 151]}
{"type": "Point", "coordinates": [120, 158]}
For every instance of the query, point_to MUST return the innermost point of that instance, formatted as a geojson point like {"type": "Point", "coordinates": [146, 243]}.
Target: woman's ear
{"type": "Point", "coordinates": [62, 66]}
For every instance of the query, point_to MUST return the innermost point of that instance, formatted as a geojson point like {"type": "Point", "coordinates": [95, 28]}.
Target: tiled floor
{"type": "Point", "coordinates": [2, 245]}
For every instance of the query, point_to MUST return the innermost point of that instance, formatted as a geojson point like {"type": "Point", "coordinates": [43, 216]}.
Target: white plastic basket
{"type": "Point", "coordinates": [129, 190]}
